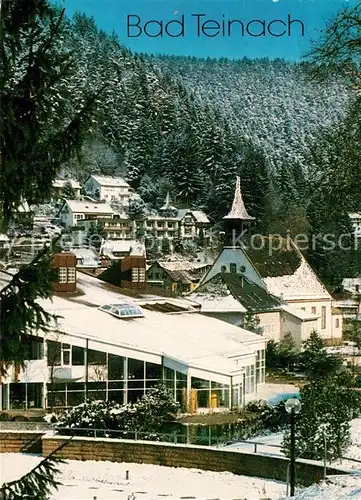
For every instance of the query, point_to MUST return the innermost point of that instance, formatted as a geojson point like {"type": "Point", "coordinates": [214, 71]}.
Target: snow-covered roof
{"type": "Point", "coordinates": [303, 283]}
{"type": "Point", "coordinates": [125, 246]}
{"type": "Point", "coordinates": [350, 284]}
{"type": "Point", "coordinates": [60, 183]}
{"type": "Point", "coordinates": [200, 216]}
{"type": "Point", "coordinates": [88, 256]}
{"type": "Point", "coordinates": [89, 207]}
{"type": "Point", "coordinates": [110, 181]}
{"type": "Point", "coordinates": [198, 341]}
{"type": "Point", "coordinates": [218, 304]}
{"type": "Point", "coordinates": [299, 313]}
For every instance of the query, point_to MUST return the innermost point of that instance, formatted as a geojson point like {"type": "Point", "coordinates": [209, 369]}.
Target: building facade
{"type": "Point", "coordinates": [119, 349]}
{"type": "Point", "coordinates": [74, 212]}
{"type": "Point", "coordinates": [108, 189]}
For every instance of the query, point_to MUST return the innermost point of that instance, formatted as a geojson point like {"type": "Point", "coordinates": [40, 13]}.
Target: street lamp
{"type": "Point", "coordinates": [293, 406]}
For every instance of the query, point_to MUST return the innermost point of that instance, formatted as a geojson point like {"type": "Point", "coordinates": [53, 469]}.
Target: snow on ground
{"type": "Point", "coordinates": [107, 481]}
{"type": "Point", "coordinates": [275, 439]}
{"type": "Point", "coordinates": [335, 488]}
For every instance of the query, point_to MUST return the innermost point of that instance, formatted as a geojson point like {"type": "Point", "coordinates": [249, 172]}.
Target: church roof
{"type": "Point", "coordinates": [238, 210]}
{"type": "Point", "coordinates": [250, 295]}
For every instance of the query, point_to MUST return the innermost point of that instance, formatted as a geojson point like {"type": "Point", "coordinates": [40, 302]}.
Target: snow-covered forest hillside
{"type": "Point", "coordinates": [189, 126]}
{"type": "Point", "coordinates": [270, 102]}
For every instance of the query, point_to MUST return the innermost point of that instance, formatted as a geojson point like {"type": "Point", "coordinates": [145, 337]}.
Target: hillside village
{"type": "Point", "coordinates": [162, 271]}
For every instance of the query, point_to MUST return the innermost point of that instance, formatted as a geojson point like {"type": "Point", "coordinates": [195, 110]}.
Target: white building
{"type": "Point", "coordinates": [108, 189]}
{"type": "Point", "coordinates": [258, 271]}
{"type": "Point", "coordinates": [73, 211]}
{"type": "Point", "coordinates": [108, 346]}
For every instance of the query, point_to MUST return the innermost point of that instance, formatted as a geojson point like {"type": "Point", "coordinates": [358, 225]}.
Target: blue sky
{"type": "Point", "coordinates": [112, 15]}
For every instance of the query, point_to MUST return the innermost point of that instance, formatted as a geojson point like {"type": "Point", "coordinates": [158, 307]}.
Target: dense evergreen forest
{"type": "Point", "coordinates": [190, 126]}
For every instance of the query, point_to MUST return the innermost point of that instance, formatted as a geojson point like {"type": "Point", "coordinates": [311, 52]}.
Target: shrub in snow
{"type": "Point", "coordinates": [147, 415]}
{"type": "Point", "coordinates": [268, 417]}
{"type": "Point", "coordinates": [326, 411]}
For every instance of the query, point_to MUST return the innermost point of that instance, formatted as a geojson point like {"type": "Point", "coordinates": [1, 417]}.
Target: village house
{"type": "Point", "coordinates": [110, 346]}
{"type": "Point", "coordinates": [108, 189]}
{"type": "Point", "coordinates": [177, 276]}
{"type": "Point", "coordinates": [59, 184]}
{"type": "Point", "coordinates": [72, 212]}
{"type": "Point", "coordinates": [285, 292]}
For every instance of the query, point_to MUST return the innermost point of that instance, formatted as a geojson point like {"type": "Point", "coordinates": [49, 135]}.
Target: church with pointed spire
{"type": "Point", "coordinates": [237, 223]}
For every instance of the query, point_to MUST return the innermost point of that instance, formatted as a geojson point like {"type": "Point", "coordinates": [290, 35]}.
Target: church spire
{"type": "Point", "coordinates": [166, 202]}
{"type": "Point", "coordinates": [238, 222]}
{"type": "Point", "coordinates": [238, 210]}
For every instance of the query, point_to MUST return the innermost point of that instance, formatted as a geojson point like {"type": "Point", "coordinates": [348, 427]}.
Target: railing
{"type": "Point", "coordinates": [174, 438]}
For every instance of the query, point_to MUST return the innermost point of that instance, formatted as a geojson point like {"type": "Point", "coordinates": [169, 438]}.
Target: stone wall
{"type": "Point", "coordinates": [189, 456]}
{"type": "Point", "coordinates": [21, 441]}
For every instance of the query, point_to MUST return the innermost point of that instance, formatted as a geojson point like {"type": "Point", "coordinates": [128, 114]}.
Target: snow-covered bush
{"type": "Point", "coordinates": [269, 417]}
{"type": "Point", "coordinates": [147, 415]}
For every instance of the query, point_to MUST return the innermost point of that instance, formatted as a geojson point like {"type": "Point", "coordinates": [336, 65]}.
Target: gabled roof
{"type": "Point", "coordinates": [109, 181]}
{"type": "Point", "coordinates": [274, 256]}
{"type": "Point", "coordinates": [248, 294]}
{"type": "Point", "coordinates": [200, 216]}
{"type": "Point", "coordinates": [238, 210]}
{"type": "Point", "coordinates": [88, 207]}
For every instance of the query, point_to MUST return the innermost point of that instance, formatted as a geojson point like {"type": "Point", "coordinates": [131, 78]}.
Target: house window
{"type": "Point", "coordinates": [303, 308]}
{"type": "Point", "coordinates": [135, 274]}
{"type": "Point", "coordinates": [233, 268]}
{"type": "Point", "coordinates": [313, 310]}
{"type": "Point", "coordinates": [323, 317]}
{"type": "Point", "coordinates": [141, 275]}
{"type": "Point", "coordinates": [71, 274]}
{"type": "Point", "coordinates": [337, 323]}
{"type": "Point", "coordinates": [63, 275]}
{"type": "Point", "coordinates": [65, 353]}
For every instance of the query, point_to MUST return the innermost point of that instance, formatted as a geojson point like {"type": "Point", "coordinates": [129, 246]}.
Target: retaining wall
{"type": "Point", "coordinates": [190, 456]}
{"type": "Point", "coordinates": [21, 441]}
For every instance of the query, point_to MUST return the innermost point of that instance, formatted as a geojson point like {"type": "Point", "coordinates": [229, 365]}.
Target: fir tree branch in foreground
{"type": "Point", "coordinates": [38, 483]}
{"type": "Point", "coordinates": [20, 312]}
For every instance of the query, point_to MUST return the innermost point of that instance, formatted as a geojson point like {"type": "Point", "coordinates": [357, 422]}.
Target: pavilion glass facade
{"type": "Point", "coordinates": [117, 378]}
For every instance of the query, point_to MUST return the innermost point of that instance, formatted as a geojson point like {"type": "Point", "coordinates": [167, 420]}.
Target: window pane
{"type": "Point", "coordinates": [66, 357]}
{"type": "Point", "coordinates": [135, 384]}
{"type": "Point", "coordinates": [133, 396]}
{"type": "Point", "coordinates": [198, 383]}
{"type": "Point", "coordinates": [75, 386]}
{"type": "Point", "coordinates": [116, 385]}
{"type": "Point", "coordinates": [96, 395]}
{"type": "Point", "coordinates": [153, 371]}
{"type": "Point", "coordinates": [115, 367]}
{"type": "Point", "coordinates": [96, 386]}
{"type": "Point", "coordinates": [77, 356]}
{"type": "Point", "coordinates": [135, 369]}
{"type": "Point", "coordinates": [203, 398]}
{"type": "Point", "coordinates": [96, 357]}
{"type": "Point", "coordinates": [168, 374]}
{"type": "Point", "coordinates": [117, 396]}
{"type": "Point", "coordinates": [75, 398]}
